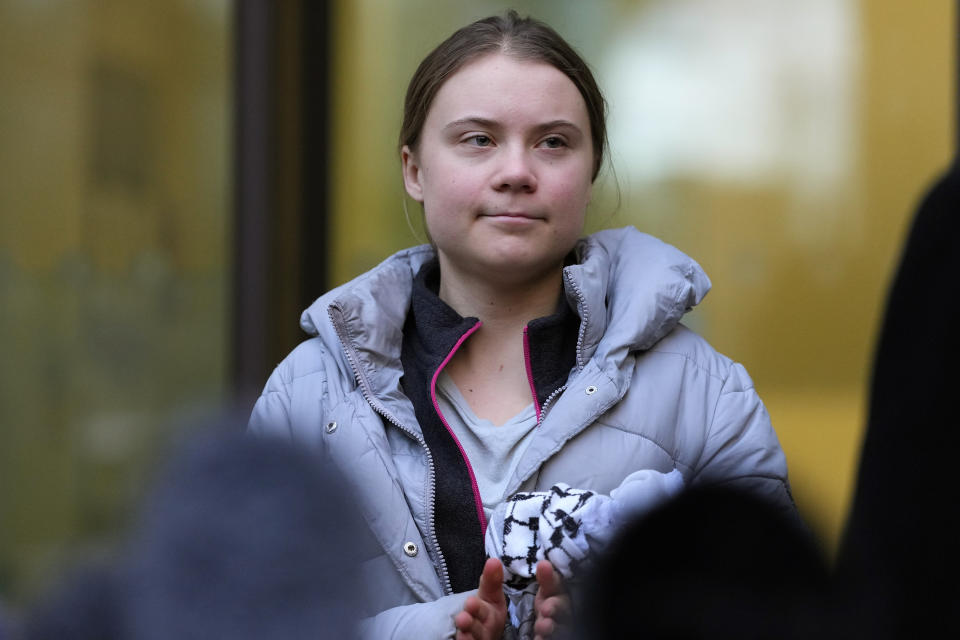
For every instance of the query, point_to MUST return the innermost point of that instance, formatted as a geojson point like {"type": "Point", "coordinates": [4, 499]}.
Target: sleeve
{"type": "Point", "coordinates": [421, 621]}
{"type": "Point", "coordinates": [271, 413]}
{"type": "Point", "coordinates": [271, 417]}
{"type": "Point", "coordinates": [741, 449]}
{"type": "Point", "coordinates": [296, 395]}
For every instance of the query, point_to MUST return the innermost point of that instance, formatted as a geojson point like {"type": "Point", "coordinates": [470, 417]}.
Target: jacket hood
{"type": "Point", "coordinates": [385, 290]}
{"type": "Point", "coordinates": [630, 290]}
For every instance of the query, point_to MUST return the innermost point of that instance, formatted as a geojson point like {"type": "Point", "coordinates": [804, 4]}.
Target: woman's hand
{"type": "Point", "coordinates": [484, 614]}
{"type": "Point", "coordinates": [552, 603]}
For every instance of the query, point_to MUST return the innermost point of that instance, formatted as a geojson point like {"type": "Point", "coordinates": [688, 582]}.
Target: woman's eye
{"type": "Point", "coordinates": [480, 140]}
{"type": "Point", "coordinates": [554, 142]}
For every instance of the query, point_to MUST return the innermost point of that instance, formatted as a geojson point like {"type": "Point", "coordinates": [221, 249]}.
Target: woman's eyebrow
{"type": "Point", "coordinates": [556, 124]}
{"type": "Point", "coordinates": [477, 121]}
{"type": "Point", "coordinates": [487, 123]}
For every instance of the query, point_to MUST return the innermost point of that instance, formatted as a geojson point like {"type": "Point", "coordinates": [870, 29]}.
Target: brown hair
{"type": "Point", "coordinates": [521, 38]}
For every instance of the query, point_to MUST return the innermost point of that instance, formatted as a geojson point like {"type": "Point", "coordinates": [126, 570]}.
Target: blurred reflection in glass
{"type": "Point", "coordinates": [115, 120]}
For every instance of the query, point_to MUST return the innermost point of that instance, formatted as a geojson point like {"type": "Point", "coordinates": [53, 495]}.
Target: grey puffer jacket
{"type": "Point", "coordinates": [645, 393]}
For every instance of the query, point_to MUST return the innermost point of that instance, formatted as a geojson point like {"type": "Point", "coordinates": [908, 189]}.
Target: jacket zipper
{"type": "Point", "coordinates": [380, 409]}
{"type": "Point", "coordinates": [582, 312]}
{"type": "Point", "coordinates": [584, 317]}
{"type": "Point", "coordinates": [551, 398]}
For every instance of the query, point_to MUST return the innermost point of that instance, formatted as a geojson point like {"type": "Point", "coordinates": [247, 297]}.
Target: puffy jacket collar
{"type": "Point", "coordinates": [370, 312]}
{"type": "Point", "coordinates": [384, 291]}
{"type": "Point", "coordinates": [629, 289]}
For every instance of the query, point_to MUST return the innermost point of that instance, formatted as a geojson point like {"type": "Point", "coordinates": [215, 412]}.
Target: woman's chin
{"type": "Point", "coordinates": [517, 269]}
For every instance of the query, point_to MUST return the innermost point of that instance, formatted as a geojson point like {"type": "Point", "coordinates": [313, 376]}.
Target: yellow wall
{"type": "Point", "coordinates": [907, 124]}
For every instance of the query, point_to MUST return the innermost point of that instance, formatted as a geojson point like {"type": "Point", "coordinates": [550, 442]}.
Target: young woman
{"type": "Point", "coordinates": [509, 354]}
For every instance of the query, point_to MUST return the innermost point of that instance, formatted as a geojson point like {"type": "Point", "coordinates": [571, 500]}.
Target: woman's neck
{"type": "Point", "coordinates": [490, 368]}
{"type": "Point", "coordinates": [501, 306]}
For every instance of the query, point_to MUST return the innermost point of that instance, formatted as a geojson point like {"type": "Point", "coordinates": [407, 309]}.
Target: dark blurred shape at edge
{"type": "Point", "coordinates": [241, 538]}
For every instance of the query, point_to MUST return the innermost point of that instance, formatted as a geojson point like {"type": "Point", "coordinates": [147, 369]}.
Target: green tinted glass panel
{"type": "Point", "coordinates": [115, 118]}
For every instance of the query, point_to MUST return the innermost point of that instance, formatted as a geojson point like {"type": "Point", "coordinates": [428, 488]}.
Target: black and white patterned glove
{"type": "Point", "coordinates": [564, 525]}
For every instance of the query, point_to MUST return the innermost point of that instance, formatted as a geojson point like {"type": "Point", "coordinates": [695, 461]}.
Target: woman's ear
{"type": "Point", "coordinates": [411, 174]}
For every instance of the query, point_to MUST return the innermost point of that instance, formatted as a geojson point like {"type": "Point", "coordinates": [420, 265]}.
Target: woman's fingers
{"type": "Point", "coordinates": [543, 628]}
{"type": "Point", "coordinates": [470, 622]}
{"type": "Point", "coordinates": [555, 607]}
{"type": "Point", "coordinates": [552, 604]}
{"type": "Point", "coordinates": [477, 608]}
{"type": "Point", "coordinates": [550, 582]}
{"type": "Point", "coordinates": [484, 614]}
{"type": "Point", "coordinates": [469, 625]}
{"type": "Point", "coordinates": [464, 623]}
{"type": "Point", "coordinates": [491, 583]}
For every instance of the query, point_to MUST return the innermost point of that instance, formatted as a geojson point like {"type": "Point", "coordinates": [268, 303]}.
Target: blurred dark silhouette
{"type": "Point", "coordinates": [897, 569]}
{"type": "Point", "coordinates": [85, 605]}
{"type": "Point", "coordinates": [7, 622]}
{"type": "Point", "coordinates": [712, 563]}
{"type": "Point", "coordinates": [243, 538]}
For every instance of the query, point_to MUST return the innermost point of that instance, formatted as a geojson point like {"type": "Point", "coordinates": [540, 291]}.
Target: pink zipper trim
{"type": "Point", "coordinates": [478, 501]}
{"type": "Point", "coordinates": [529, 365]}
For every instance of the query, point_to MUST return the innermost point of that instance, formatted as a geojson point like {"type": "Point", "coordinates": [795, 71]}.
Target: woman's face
{"type": "Point", "coordinates": [503, 169]}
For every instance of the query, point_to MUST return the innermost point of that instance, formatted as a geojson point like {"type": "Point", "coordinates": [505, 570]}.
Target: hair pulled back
{"type": "Point", "coordinates": [520, 38]}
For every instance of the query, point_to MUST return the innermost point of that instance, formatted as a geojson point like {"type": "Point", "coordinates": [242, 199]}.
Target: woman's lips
{"type": "Point", "coordinates": [512, 215]}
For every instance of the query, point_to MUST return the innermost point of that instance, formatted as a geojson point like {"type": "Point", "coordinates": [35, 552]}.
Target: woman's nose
{"type": "Point", "coordinates": [515, 171]}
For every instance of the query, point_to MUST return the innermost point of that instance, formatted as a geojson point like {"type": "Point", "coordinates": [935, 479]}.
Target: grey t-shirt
{"type": "Point", "coordinates": [494, 451]}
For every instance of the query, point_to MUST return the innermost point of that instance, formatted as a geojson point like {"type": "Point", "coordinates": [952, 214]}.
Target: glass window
{"type": "Point", "coordinates": [114, 257]}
